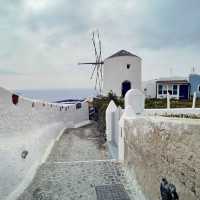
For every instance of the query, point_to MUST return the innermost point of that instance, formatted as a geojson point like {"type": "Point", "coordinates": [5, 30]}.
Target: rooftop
{"type": "Point", "coordinates": [122, 53]}
{"type": "Point", "coordinates": [172, 80]}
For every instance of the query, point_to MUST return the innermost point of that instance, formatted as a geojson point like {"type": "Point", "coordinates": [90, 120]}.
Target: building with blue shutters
{"type": "Point", "coordinates": [194, 80]}
{"type": "Point", "coordinates": [177, 87]}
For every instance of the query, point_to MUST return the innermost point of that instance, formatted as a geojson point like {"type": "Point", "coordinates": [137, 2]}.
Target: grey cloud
{"type": "Point", "coordinates": [48, 38]}
{"type": "Point", "coordinates": [71, 16]}
{"type": "Point", "coordinates": [170, 24]}
{"type": "Point", "coordinates": [161, 24]}
{"type": "Point", "coordinates": [8, 72]}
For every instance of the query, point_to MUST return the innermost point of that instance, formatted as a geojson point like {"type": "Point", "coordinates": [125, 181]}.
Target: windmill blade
{"type": "Point", "coordinates": [91, 63]}
{"type": "Point", "coordinates": [93, 71]}
{"type": "Point", "coordinates": [94, 44]}
{"type": "Point", "coordinates": [99, 43]}
{"type": "Point", "coordinates": [100, 57]}
{"type": "Point", "coordinates": [97, 60]}
{"type": "Point", "coordinates": [101, 71]}
{"type": "Point", "coordinates": [97, 71]}
{"type": "Point", "coordinates": [99, 76]}
{"type": "Point", "coordinates": [96, 80]}
{"type": "Point", "coordinates": [100, 67]}
{"type": "Point", "coordinates": [99, 82]}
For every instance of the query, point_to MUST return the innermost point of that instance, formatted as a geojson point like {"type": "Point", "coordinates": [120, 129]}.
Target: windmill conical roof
{"type": "Point", "coordinates": [122, 53]}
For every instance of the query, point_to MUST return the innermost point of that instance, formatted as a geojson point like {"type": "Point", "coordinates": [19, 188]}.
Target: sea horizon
{"type": "Point", "coordinates": [57, 94]}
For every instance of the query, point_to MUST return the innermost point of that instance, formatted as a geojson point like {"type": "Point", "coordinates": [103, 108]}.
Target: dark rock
{"type": "Point", "coordinates": [24, 154]}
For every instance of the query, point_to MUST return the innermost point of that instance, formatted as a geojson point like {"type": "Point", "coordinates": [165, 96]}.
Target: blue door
{"type": "Point", "coordinates": [126, 85]}
{"type": "Point", "coordinates": [183, 92]}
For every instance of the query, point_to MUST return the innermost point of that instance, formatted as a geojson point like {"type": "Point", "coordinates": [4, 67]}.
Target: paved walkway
{"type": "Point", "coordinates": [79, 144]}
{"type": "Point", "coordinates": [77, 168]}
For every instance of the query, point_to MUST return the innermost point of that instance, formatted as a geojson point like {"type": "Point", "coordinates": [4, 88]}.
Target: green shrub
{"type": "Point", "coordinates": [100, 104]}
{"type": "Point", "coordinates": [162, 103]}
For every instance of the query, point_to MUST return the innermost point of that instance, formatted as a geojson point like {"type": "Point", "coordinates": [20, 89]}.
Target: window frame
{"type": "Point", "coordinates": [160, 85]}
{"type": "Point", "coordinates": [170, 89]}
{"type": "Point", "coordinates": [175, 89]}
{"type": "Point", "coordinates": [165, 89]}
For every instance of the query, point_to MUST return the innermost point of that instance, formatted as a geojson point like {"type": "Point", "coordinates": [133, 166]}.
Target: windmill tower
{"type": "Point", "coordinates": [97, 65]}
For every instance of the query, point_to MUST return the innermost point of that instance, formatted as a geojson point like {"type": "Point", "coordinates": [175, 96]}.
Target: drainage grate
{"type": "Point", "coordinates": [111, 192]}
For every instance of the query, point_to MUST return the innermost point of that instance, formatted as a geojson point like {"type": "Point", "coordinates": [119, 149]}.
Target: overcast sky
{"type": "Point", "coordinates": [41, 41]}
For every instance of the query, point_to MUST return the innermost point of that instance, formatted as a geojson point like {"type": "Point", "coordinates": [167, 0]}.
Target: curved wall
{"type": "Point", "coordinates": [116, 72]}
{"type": "Point", "coordinates": [194, 80]}
{"type": "Point", "coordinates": [31, 126]}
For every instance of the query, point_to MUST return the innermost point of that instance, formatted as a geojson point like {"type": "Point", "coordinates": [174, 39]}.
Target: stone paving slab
{"type": "Point", "coordinates": [76, 180]}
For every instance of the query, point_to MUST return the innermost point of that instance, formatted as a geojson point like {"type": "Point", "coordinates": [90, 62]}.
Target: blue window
{"type": "Point", "coordinates": [170, 92]}
{"type": "Point", "coordinates": [160, 88]}
{"type": "Point", "coordinates": [175, 89]}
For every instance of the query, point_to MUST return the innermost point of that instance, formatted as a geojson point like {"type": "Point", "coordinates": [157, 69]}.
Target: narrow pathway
{"type": "Point", "coordinates": [79, 168]}
{"type": "Point", "coordinates": [79, 144]}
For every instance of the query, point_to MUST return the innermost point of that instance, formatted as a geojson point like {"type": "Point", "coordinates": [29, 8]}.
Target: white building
{"type": "Point", "coordinates": [122, 71]}
{"type": "Point", "coordinates": [177, 87]}
{"type": "Point", "coordinates": [149, 89]}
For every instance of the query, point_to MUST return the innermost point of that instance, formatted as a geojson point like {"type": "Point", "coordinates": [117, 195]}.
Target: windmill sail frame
{"type": "Point", "coordinates": [97, 72]}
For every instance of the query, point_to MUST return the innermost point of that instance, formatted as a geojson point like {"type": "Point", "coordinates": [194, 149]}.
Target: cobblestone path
{"type": "Point", "coordinates": [77, 164]}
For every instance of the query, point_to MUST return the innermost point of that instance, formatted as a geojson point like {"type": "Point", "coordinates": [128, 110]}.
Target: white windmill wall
{"type": "Point", "coordinates": [116, 72]}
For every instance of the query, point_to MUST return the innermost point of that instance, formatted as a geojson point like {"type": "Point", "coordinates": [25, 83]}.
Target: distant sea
{"type": "Point", "coordinates": [53, 95]}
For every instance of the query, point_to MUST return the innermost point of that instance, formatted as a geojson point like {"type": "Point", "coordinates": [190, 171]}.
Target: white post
{"type": "Point", "coordinates": [121, 144]}
{"type": "Point", "coordinates": [117, 116]}
{"type": "Point", "coordinates": [168, 100]}
{"type": "Point", "coordinates": [194, 100]}
{"type": "Point", "coordinates": [109, 119]}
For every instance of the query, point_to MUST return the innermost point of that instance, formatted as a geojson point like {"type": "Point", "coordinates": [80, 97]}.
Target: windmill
{"type": "Point", "coordinates": [97, 71]}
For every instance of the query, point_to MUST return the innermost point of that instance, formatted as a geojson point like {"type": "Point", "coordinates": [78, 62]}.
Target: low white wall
{"type": "Point", "coordinates": [174, 111]}
{"type": "Point", "coordinates": [34, 129]}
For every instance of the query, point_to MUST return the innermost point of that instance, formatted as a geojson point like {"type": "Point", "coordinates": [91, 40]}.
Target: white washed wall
{"type": "Point", "coordinates": [116, 72]}
{"type": "Point", "coordinates": [23, 127]}
{"type": "Point", "coordinates": [173, 111]}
